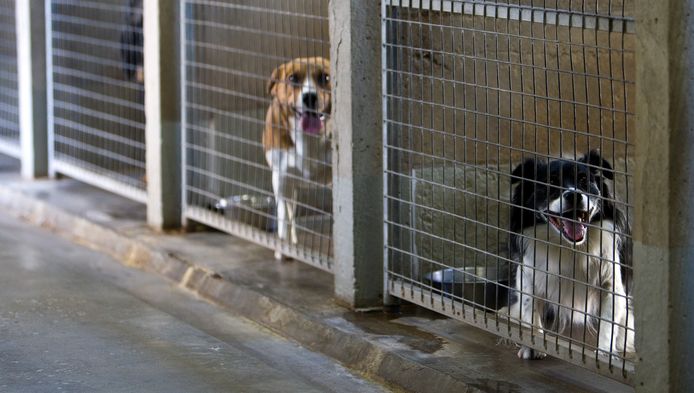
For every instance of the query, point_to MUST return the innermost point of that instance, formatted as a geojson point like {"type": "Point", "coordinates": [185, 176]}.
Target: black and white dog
{"type": "Point", "coordinates": [568, 238]}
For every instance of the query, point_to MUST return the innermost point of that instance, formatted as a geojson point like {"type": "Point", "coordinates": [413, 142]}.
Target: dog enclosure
{"type": "Point", "coordinates": [230, 51]}
{"type": "Point", "coordinates": [9, 106]}
{"type": "Point", "coordinates": [96, 93]}
{"type": "Point", "coordinates": [472, 89]}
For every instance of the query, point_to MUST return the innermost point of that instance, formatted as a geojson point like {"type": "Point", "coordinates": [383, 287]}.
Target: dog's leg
{"type": "Point", "coordinates": [613, 316]}
{"type": "Point", "coordinates": [281, 222]}
{"type": "Point", "coordinates": [606, 338]}
{"type": "Point", "coordinates": [281, 227]}
{"type": "Point", "coordinates": [279, 168]}
{"type": "Point", "coordinates": [530, 318]}
{"type": "Point", "coordinates": [529, 314]}
{"type": "Point", "coordinates": [291, 217]}
{"type": "Point", "coordinates": [630, 348]}
{"type": "Point", "coordinates": [625, 344]}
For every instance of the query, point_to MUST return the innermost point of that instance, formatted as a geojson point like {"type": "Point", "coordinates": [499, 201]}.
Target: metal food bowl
{"type": "Point", "coordinates": [254, 210]}
{"type": "Point", "coordinates": [483, 286]}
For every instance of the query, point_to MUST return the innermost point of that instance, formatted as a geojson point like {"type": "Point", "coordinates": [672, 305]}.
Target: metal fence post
{"type": "Point", "coordinates": [162, 111]}
{"type": "Point", "coordinates": [664, 216]}
{"type": "Point", "coordinates": [355, 31]}
{"type": "Point", "coordinates": [31, 77]}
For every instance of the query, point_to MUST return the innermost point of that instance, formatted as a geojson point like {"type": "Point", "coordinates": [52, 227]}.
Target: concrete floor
{"type": "Point", "coordinates": [73, 320]}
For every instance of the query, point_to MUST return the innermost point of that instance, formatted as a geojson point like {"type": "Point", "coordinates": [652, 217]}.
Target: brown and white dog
{"type": "Point", "coordinates": [296, 139]}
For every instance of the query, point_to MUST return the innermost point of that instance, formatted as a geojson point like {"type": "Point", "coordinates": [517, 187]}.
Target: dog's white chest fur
{"type": "Point", "coordinates": [310, 158]}
{"type": "Point", "coordinates": [577, 284]}
{"type": "Point", "coordinates": [571, 278]}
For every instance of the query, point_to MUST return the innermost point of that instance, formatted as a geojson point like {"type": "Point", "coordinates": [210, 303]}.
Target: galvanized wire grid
{"type": "Point", "coordinates": [231, 49]}
{"type": "Point", "coordinates": [9, 105]}
{"type": "Point", "coordinates": [472, 89]}
{"type": "Point", "coordinates": [97, 103]}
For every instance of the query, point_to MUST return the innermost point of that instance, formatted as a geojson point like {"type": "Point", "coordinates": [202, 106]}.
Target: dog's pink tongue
{"type": "Point", "coordinates": [574, 230]}
{"type": "Point", "coordinates": [311, 123]}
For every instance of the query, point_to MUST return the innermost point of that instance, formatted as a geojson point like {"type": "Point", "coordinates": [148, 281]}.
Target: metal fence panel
{"type": "Point", "coordinates": [473, 89]}
{"type": "Point", "coordinates": [9, 105]}
{"type": "Point", "coordinates": [97, 93]}
{"type": "Point", "coordinates": [245, 65]}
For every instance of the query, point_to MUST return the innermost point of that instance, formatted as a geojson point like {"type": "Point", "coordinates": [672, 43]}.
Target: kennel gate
{"type": "Point", "coordinates": [230, 50]}
{"type": "Point", "coordinates": [471, 88]}
{"type": "Point", "coordinates": [9, 101]}
{"type": "Point", "coordinates": [96, 93]}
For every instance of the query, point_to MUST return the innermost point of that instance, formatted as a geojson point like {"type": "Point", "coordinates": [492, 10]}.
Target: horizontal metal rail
{"type": "Point", "coordinates": [491, 9]}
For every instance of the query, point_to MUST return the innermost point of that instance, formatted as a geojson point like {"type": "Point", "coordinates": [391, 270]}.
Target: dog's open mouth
{"type": "Point", "coordinates": [311, 122]}
{"type": "Point", "coordinates": [571, 224]}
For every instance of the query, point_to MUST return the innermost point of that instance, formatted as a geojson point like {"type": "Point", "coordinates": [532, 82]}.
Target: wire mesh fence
{"type": "Point", "coordinates": [256, 123]}
{"type": "Point", "coordinates": [508, 170]}
{"type": "Point", "coordinates": [9, 105]}
{"type": "Point", "coordinates": [96, 104]}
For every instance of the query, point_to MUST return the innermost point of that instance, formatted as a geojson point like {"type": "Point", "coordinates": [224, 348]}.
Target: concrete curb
{"type": "Point", "coordinates": [352, 349]}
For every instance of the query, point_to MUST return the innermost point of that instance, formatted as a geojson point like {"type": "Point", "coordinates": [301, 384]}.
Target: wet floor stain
{"type": "Point", "coordinates": [385, 324]}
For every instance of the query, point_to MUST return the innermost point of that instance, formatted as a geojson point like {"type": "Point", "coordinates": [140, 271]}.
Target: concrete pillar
{"type": "Point", "coordinates": [664, 214]}
{"type": "Point", "coordinates": [355, 34]}
{"type": "Point", "coordinates": [31, 78]}
{"type": "Point", "coordinates": [162, 69]}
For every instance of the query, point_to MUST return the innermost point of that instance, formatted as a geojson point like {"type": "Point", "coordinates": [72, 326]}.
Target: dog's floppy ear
{"type": "Point", "coordinates": [525, 170]}
{"type": "Point", "coordinates": [598, 164]}
{"type": "Point", "coordinates": [274, 79]}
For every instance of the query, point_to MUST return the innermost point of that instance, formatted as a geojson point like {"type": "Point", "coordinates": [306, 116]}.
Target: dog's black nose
{"type": "Point", "coordinates": [574, 199]}
{"type": "Point", "coordinates": [572, 194]}
{"type": "Point", "coordinates": [310, 100]}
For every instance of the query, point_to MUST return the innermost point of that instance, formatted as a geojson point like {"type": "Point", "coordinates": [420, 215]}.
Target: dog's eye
{"type": "Point", "coordinates": [293, 78]}
{"type": "Point", "coordinates": [323, 79]}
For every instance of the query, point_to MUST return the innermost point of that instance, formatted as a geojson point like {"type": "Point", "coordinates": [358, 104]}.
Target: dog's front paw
{"type": "Point", "coordinates": [527, 353]}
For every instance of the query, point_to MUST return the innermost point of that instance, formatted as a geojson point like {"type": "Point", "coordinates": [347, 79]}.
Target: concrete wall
{"type": "Point", "coordinates": [663, 241]}
{"type": "Point", "coordinates": [475, 96]}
